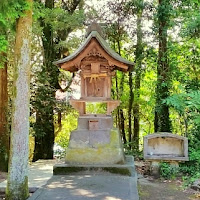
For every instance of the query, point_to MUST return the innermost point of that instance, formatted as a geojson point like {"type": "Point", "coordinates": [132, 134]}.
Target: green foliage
{"type": "Point", "coordinates": [191, 23]}
{"type": "Point", "coordinates": [168, 171]}
{"type": "Point", "coordinates": [187, 105]}
{"type": "Point", "coordinates": [138, 155]}
{"type": "Point", "coordinates": [183, 50]}
{"type": "Point", "coordinates": [191, 169]}
{"type": "Point", "coordinates": [3, 43]}
{"type": "Point", "coordinates": [96, 108]}
{"type": "Point", "coordinates": [69, 123]}
{"type": "Point", "coordinates": [10, 11]}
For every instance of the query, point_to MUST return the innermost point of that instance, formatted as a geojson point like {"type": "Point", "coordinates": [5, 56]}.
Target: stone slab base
{"type": "Point", "coordinates": [94, 156]}
{"type": "Point", "coordinates": [127, 169]}
{"type": "Point", "coordinates": [95, 147]}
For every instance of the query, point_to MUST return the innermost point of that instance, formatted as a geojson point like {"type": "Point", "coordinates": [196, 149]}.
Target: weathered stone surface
{"type": "Point", "coordinates": [90, 139]}
{"type": "Point", "coordinates": [155, 169]}
{"type": "Point", "coordinates": [93, 125]}
{"type": "Point", "coordinates": [99, 138]}
{"type": "Point", "coordinates": [165, 146]}
{"type": "Point", "coordinates": [104, 122]}
{"type": "Point", "coordinates": [95, 147]}
{"type": "Point", "coordinates": [95, 156]}
{"type": "Point", "coordinates": [89, 187]}
{"type": "Point", "coordinates": [127, 169]}
{"type": "Point", "coordinates": [79, 139]}
{"type": "Point", "coordinates": [196, 185]}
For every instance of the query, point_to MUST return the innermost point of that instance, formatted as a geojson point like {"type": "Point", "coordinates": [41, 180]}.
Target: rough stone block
{"type": "Point", "coordinates": [79, 139]}
{"type": "Point", "coordinates": [93, 125]}
{"type": "Point", "coordinates": [104, 122]}
{"type": "Point", "coordinates": [95, 147]}
{"type": "Point", "coordinates": [127, 169]}
{"type": "Point", "coordinates": [165, 146]}
{"type": "Point", "coordinates": [99, 138]}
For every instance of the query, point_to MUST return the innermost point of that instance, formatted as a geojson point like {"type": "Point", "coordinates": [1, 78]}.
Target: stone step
{"type": "Point", "coordinates": [126, 169]}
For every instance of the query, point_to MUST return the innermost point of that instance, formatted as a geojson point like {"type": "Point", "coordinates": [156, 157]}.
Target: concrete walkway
{"type": "Point", "coordinates": [39, 173]}
{"type": "Point", "coordinates": [94, 186]}
{"type": "Point", "coordinates": [86, 187]}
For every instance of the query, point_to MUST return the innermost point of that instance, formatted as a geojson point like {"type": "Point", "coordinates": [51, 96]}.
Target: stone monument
{"type": "Point", "coordinates": [95, 142]}
{"type": "Point", "coordinates": [163, 146]}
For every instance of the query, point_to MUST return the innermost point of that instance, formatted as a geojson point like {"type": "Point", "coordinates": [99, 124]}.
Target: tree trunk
{"type": "Point", "coordinates": [120, 92]}
{"type": "Point", "coordinates": [162, 122]}
{"type": "Point", "coordinates": [121, 112]}
{"type": "Point", "coordinates": [44, 137]}
{"type": "Point", "coordinates": [117, 94]}
{"type": "Point", "coordinates": [4, 135]}
{"type": "Point", "coordinates": [138, 67]}
{"type": "Point", "coordinates": [131, 98]}
{"type": "Point", "coordinates": [44, 140]}
{"type": "Point", "coordinates": [122, 125]}
{"type": "Point", "coordinates": [17, 186]}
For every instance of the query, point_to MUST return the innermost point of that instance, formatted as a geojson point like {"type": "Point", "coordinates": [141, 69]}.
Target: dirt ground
{"type": "Point", "coordinates": [150, 189]}
{"type": "Point", "coordinates": [160, 189]}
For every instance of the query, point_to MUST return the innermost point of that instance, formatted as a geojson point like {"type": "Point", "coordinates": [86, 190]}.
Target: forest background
{"type": "Point", "coordinates": [160, 94]}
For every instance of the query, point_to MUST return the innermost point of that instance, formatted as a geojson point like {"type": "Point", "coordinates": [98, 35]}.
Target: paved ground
{"type": "Point", "coordinates": [39, 173]}
{"type": "Point", "coordinates": [95, 186]}
{"type": "Point", "coordinates": [87, 187]}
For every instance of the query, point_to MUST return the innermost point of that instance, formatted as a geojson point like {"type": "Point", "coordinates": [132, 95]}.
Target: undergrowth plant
{"type": "Point", "coordinates": [168, 171]}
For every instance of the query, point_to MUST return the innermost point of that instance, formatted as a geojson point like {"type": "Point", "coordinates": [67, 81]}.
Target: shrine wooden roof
{"type": "Point", "coordinates": [94, 42]}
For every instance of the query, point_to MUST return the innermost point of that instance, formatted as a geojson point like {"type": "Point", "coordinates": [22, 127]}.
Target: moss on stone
{"type": "Point", "coordinates": [122, 171]}
{"type": "Point", "coordinates": [66, 170]}
{"type": "Point", "coordinates": [20, 192]}
{"type": "Point", "coordinates": [111, 153]}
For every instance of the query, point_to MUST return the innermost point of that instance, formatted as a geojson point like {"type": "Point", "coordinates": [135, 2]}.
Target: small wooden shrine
{"type": "Point", "coordinates": [95, 140]}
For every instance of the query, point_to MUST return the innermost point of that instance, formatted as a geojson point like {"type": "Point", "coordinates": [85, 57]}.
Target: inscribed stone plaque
{"type": "Point", "coordinates": [93, 125]}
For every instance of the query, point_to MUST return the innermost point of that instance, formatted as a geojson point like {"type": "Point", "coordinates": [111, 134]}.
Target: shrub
{"type": "Point", "coordinates": [168, 171]}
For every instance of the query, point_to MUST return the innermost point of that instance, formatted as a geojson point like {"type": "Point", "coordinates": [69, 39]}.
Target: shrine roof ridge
{"type": "Point", "coordinates": [103, 43]}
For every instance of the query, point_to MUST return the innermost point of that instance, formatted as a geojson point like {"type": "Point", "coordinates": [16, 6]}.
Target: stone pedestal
{"type": "Point", "coordinates": [95, 142]}
{"type": "Point", "coordinates": [126, 169]}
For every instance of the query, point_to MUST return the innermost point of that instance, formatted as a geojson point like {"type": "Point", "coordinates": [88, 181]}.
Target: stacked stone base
{"type": "Point", "coordinates": [95, 142]}
{"type": "Point", "coordinates": [95, 146]}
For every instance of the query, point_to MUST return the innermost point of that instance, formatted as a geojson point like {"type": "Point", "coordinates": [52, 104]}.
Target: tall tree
{"type": "Point", "coordinates": [138, 70]}
{"type": "Point", "coordinates": [48, 77]}
{"type": "Point", "coordinates": [44, 137]}
{"type": "Point", "coordinates": [8, 14]}
{"type": "Point", "coordinates": [4, 136]}
{"type": "Point", "coordinates": [17, 185]}
{"type": "Point", "coordinates": [162, 122]}
{"type": "Point", "coordinates": [135, 9]}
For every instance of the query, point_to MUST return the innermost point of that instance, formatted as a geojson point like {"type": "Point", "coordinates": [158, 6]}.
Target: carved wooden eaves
{"type": "Point", "coordinates": [93, 50]}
